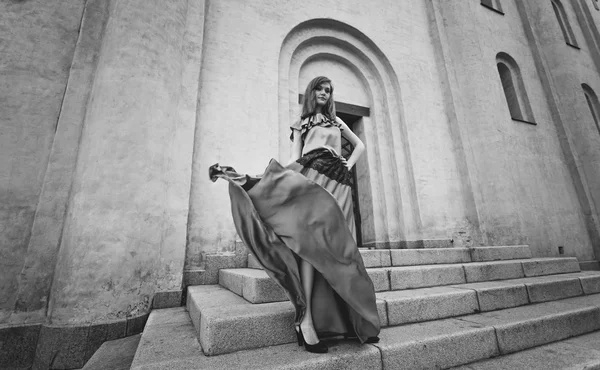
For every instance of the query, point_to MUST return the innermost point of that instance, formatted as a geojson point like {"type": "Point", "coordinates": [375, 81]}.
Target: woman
{"type": "Point", "coordinates": [298, 222]}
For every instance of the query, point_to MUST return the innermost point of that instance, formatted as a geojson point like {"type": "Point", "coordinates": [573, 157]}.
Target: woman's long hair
{"type": "Point", "coordinates": [309, 103]}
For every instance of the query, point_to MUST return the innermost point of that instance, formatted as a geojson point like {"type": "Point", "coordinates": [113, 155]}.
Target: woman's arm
{"type": "Point", "coordinates": [296, 147]}
{"type": "Point", "coordinates": [359, 147]}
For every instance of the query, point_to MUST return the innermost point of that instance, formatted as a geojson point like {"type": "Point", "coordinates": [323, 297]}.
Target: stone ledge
{"type": "Point", "coordinates": [417, 305]}
{"type": "Point", "coordinates": [553, 289]}
{"type": "Point", "coordinates": [216, 262]}
{"type": "Point", "coordinates": [256, 287]}
{"type": "Point", "coordinates": [549, 266]}
{"type": "Point", "coordinates": [209, 275]}
{"type": "Point", "coordinates": [421, 304]}
{"type": "Point", "coordinates": [589, 265]}
{"type": "Point", "coordinates": [376, 257]}
{"type": "Point", "coordinates": [590, 281]}
{"type": "Point", "coordinates": [252, 284]}
{"type": "Point", "coordinates": [411, 244]}
{"type": "Point", "coordinates": [170, 339]}
{"type": "Point", "coordinates": [413, 257]}
{"type": "Point", "coordinates": [380, 278]}
{"type": "Point", "coordinates": [174, 346]}
{"type": "Point", "coordinates": [495, 253]}
{"type": "Point", "coordinates": [497, 295]}
{"type": "Point", "coordinates": [409, 277]}
{"type": "Point", "coordinates": [578, 353]}
{"type": "Point", "coordinates": [226, 322]}
{"type": "Point", "coordinates": [435, 345]}
{"type": "Point", "coordinates": [493, 270]}
{"type": "Point", "coordinates": [533, 325]}
{"type": "Point", "coordinates": [371, 258]}
{"type": "Point", "coordinates": [494, 295]}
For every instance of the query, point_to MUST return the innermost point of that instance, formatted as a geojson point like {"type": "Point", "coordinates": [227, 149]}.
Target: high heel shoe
{"type": "Point", "coordinates": [320, 347]}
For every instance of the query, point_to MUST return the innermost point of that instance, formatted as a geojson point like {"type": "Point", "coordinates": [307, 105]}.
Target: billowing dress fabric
{"type": "Point", "coordinates": [304, 211]}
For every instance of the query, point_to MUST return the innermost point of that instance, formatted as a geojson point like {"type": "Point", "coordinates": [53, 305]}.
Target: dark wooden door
{"type": "Point", "coordinates": [347, 149]}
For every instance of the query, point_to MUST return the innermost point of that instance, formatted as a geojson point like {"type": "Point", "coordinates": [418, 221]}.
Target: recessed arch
{"type": "Point", "coordinates": [388, 150]}
{"type": "Point", "coordinates": [563, 21]}
{"type": "Point", "coordinates": [514, 88]}
{"type": "Point", "coordinates": [593, 104]}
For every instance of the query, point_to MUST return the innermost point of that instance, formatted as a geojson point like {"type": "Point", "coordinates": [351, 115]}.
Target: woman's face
{"type": "Point", "coordinates": [322, 93]}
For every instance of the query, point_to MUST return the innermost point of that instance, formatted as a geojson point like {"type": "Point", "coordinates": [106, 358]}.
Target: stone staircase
{"type": "Point", "coordinates": [440, 308]}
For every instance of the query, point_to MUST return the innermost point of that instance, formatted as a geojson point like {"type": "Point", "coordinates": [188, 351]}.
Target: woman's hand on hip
{"type": "Point", "coordinates": [345, 162]}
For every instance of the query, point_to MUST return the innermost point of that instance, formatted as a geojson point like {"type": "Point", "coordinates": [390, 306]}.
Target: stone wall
{"type": "Point", "coordinates": [568, 68]}
{"type": "Point", "coordinates": [523, 189]}
{"type": "Point", "coordinates": [453, 165]}
{"type": "Point", "coordinates": [97, 134]}
{"type": "Point", "coordinates": [125, 227]}
{"type": "Point", "coordinates": [38, 41]}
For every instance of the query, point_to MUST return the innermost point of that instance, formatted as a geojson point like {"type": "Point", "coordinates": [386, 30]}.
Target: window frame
{"type": "Point", "coordinates": [593, 104]}
{"type": "Point", "coordinates": [519, 106]}
{"type": "Point", "coordinates": [564, 24]}
{"type": "Point", "coordinates": [492, 5]}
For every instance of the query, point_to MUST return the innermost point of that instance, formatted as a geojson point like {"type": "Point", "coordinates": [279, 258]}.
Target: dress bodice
{"type": "Point", "coordinates": [318, 131]}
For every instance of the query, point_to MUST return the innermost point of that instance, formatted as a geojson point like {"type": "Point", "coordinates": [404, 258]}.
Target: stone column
{"type": "Point", "coordinates": [125, 228]}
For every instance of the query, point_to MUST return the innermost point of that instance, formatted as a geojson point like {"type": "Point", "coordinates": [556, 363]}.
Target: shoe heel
{"type": "Point", "coordinates": [320, 347]}
{"type": "Point", "coordinates": [300, 338]}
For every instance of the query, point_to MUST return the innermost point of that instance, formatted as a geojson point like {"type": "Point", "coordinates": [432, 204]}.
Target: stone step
{"type": "Point", "coordinates": [169, 340]}
{"type": "Point", "coordinates": [512, 252]}
{"type": "Point", "coordinates": [576, 353]}
{"type": "Point", "coordinates": [422, 304]}
{"type": "Point", "coordinates": [371, 258]}
{"type": "Point", "coordinates": [417, 305]}
{"type": "Point", "coordinates": [431, 256]}
{"type": "Point", "coordinates": [220, 315]}
{"type": "Point", "coordinates": [255, 285]}
{"type": "Point", "coordinates": [456, 341]}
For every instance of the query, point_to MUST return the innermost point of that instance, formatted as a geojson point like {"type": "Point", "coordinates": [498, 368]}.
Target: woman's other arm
{"type": "Point", "coordinates": [359, 147]}
{"type": "Point", "coordinates": [296, 147]}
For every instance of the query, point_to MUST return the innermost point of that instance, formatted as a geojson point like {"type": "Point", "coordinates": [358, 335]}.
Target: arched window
{"type": "Point", "coordinates": [563, 21]}
{"type": "Point", "coordinates": [514, 89]}
{"type": "Point", "coordinates": [593, 104]}
{"type": "Point", "coordinates": [492, 4]}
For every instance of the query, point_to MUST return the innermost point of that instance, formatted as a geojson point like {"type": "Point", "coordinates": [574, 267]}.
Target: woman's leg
{"type": "Point", "coordinates": [307, 274]}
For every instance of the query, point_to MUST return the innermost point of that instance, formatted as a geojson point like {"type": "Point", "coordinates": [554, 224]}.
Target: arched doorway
{"type": "Point", "coordinates": [362, 77]}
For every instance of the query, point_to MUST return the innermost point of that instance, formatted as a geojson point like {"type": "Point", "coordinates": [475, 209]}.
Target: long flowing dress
{"type": "Point", "coordinates": [304, 211]}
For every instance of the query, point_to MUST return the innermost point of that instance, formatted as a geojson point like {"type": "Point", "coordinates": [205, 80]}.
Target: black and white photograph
{"type": "Point", "coordinates": [299, 184]}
